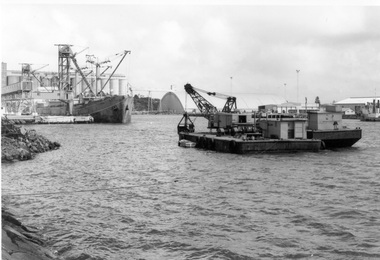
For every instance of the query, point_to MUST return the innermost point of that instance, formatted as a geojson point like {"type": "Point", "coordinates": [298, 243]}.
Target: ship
{"type": "Point", "coordinates": [72, 91]}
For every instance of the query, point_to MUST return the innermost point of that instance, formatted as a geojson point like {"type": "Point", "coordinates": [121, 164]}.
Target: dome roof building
{"type": "Point", "coordinates": [170, 103]}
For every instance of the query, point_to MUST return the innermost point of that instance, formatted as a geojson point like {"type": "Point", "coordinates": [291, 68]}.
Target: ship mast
{"type": "Point", "coordinates": [99, 86]}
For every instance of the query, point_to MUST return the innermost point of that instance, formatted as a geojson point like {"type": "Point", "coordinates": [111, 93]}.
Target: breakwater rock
{"type": "Point", "coordinates": [18, 143]}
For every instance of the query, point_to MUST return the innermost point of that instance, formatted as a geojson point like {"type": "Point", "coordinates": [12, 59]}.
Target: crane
{"type": "Point", "coordinates": [207, 109]}
{"type": "Point", "coordinates": [27, 73]}
{"type": "Point", "coordinates": [65, 55]}
{"type": "Point", "coordinates": [204, 106]}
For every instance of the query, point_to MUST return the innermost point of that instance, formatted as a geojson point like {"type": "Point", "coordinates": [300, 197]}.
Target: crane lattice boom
{"type": "Point", "coordinates": [204, 106]}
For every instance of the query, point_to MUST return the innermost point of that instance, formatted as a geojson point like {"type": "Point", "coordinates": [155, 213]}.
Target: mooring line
{"type": "Point", "coordinates": [92, 190]}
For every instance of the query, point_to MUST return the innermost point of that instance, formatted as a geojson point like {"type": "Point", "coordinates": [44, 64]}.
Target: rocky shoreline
{"type": "Point", "coordinates": [18, 241]}
{"type": "Point", "coordinates": [18, 143]}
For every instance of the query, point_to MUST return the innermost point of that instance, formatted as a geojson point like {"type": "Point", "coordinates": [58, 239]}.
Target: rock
{"type": "Point", "coordinates": [24, 154]}
{"type": "Point", "coordinates": [34, 149]}
{"type": "Point", "coordinates": [20, 143]}
{"type": "Point", "coordinates": [23, 130]}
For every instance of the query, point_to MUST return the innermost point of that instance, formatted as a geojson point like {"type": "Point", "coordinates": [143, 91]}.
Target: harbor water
{"type": "Point", "coordinates": [116, 191]}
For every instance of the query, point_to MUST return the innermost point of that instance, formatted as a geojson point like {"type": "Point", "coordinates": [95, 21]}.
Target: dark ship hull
{"type": "Point", "coordinates": [113, 109]}
{"type": "Point", "coordinates": [109, 109]}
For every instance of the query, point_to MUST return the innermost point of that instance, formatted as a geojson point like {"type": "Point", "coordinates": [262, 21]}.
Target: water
{"type": "Point", "coordinates": [129, 192]}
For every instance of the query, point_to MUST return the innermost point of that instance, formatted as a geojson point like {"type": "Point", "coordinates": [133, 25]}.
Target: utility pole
{"type": "Point", "coordinates": [285, 90]}
{"type": "Point", "coordinates": [297, 83]}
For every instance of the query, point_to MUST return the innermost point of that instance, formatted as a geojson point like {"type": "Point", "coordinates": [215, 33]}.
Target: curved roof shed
{"type": "Point", "coordinates": [170, 103]}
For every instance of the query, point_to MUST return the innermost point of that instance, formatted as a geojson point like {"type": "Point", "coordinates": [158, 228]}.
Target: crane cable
{"type": "Point", "coordinates": [213, 93]}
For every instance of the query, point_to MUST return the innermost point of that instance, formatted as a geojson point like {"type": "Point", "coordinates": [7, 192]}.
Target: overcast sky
{"type": "Point", "coordinates": [238, 48]}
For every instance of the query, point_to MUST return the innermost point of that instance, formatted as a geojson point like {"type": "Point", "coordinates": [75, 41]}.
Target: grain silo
{"type": "Point", "coordinates": [106, 89]}
{"type": "Point", "coordinates": [83, 86]}
{"type": "Point", "coordinates": [123, 87]}
{"type": "Point", "coordinates": [114, 86]}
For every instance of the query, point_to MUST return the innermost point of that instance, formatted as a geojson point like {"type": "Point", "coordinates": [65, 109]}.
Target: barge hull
{"type": "Point", "coordinates": [336, 138]}
{"type": "Point", "coordinates": [227, 144]}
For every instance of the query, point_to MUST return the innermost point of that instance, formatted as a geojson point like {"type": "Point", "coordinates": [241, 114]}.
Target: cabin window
{"type": "Point", "coordinates": [242, 119]}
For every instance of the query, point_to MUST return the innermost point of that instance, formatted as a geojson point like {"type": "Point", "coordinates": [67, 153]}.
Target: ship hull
{"type": "Point", "coordinates": [111, 109]}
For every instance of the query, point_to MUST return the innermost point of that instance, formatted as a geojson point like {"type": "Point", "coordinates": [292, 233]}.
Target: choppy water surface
{"type": "Point", "coordinates": [129, 192]}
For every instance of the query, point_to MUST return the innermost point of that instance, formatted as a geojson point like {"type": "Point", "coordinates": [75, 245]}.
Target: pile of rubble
{"type": "Point", "coordinates": [18, 143]}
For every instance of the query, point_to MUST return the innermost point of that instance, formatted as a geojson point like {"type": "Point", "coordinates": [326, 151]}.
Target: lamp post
{"type": "Point", "coordinates": [297, 83]}
{"type": "Point", "coordinates": [231, 85]}
{"type": "Point", "coordinates": [285, 90]}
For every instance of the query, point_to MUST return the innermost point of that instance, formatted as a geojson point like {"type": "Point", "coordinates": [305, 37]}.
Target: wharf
{"type": "Point", "coordinates": [64, 119]}
{"type": "Point", "coordinates": [229, 144]}
{"type": "Point", "coordinates": [31, 119]}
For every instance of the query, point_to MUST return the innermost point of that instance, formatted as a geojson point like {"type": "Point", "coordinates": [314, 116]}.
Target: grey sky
{"type": "Point", "coordinates": [335, 47]}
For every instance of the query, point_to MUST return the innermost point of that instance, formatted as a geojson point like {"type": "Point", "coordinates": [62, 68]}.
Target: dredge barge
{"type": "Point", "coordinates": [241, 133]}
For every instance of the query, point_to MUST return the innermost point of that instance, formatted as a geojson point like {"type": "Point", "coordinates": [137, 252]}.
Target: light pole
{"type": "Point", "coordinates": [231, 85]}
{"type": "Point", "coordinates": [297, 83]}
{"type": "Point", "coordinates": [285, 90]}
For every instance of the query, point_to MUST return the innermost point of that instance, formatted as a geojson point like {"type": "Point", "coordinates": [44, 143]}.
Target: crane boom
{"type": "Point", "coordinates": [203, 105]}
{"type": "Point", "coordinates": [208, 110]}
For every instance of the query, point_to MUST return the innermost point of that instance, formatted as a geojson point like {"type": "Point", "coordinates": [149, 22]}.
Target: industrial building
{"type": "Point", "coordinates": [356, 104]}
